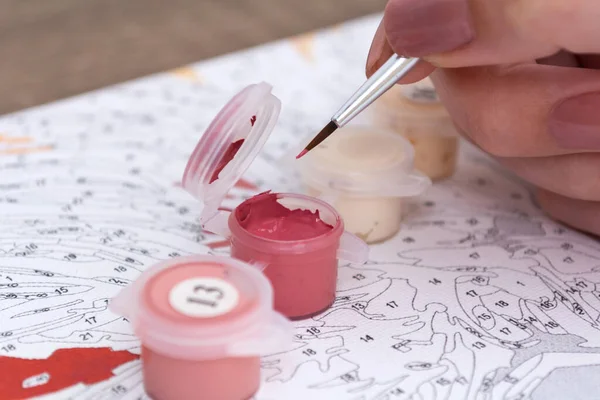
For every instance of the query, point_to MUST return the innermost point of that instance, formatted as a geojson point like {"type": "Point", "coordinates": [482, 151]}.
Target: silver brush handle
{"type": "Point", "coordinates": [380, 82]}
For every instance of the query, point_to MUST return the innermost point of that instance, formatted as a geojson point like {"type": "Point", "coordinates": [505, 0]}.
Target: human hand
{"type": "Point", "coordinates": [521, 79]}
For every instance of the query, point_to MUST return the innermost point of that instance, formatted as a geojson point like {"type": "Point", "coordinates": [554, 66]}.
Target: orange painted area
{"type": "Point", "coordinates": [26, 150]}
{"type": "Point", "coordinates": [218, 245]}
{"type": "Point", "coordinates": [15, 145]}
{"type": "Point", "coordinates": [245, 184]}
{"type": "Point", "coordinates": [187, 73]}
{"type": "Point", "coordinates": [65, 367]}
{"type": "Point", "coordinates": [15, 139]}
{"type": "Point", "coordinates": [304, 44]}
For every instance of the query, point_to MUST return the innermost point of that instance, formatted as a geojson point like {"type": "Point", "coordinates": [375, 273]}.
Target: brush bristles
{"type": "Point", "coordinates": [324, 134]}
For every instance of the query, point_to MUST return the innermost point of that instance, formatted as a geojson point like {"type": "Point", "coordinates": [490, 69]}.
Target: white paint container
{"type": "Point", "coordinates": [365, 174]}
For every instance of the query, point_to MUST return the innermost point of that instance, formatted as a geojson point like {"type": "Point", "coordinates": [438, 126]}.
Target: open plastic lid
{"type": "Point", "coordinates": [230, 143]}
{"type": "Point", "coordinates": [203, 307]}
{"type": "Point", "coordinates": [364, 161]}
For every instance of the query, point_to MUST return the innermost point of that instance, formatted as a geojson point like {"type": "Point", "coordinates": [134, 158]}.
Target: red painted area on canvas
{"type": "Point", "coordinates": [66, 367]}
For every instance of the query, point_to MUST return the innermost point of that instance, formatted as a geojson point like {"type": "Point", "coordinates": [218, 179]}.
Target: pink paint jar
{"type": "Point", "coordinates": [203, 320]}
{"type": "Point", "coordinates": [302, 272]}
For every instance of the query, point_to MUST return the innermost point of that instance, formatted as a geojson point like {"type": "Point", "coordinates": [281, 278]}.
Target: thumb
{"type": "Point", "coordinates": [460, 33]}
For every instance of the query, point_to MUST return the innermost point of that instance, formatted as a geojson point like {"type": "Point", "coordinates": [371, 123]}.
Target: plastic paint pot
{"type": "Point", "coordinates": [365, 174]}
{"type": "Point", "coordinates": [416, 112]}
{"type": "Point", "coordinates": [302, 271]}
{"type": "Point", "coordinates": [203, 320]}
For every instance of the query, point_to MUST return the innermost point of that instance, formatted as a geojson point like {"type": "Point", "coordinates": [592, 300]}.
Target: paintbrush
{"type": "Point", "coordinates": [380, 82]}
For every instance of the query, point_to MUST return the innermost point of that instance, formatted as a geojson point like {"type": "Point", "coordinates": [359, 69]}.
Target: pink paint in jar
{"type": "Point", "coordinates": [300, 264]}
{"type": "Point", "coordinates": [302, 267]}
{"type": "Point", "coordinates": [203, 320]}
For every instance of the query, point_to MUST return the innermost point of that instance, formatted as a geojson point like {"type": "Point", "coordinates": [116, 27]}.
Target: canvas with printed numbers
{"type": "Point", "coordinates": [478, 297]}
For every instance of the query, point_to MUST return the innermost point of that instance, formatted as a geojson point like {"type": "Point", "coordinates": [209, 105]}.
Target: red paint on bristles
{"type": "Point", "coordinates": [302, 153]}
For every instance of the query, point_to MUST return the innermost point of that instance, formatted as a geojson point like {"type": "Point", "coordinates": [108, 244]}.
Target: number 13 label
{"type": "Point", "coordinates": [203, 297]}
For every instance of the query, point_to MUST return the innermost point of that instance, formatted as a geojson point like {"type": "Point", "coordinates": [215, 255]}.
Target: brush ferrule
{"type": "Point", "coordinates": [381, 81]}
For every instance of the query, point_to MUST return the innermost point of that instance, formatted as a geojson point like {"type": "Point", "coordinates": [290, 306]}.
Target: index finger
{"type": "Point", "coordinates": [381, 50]}
{"type": "Point", "coordinates": [459, 33]}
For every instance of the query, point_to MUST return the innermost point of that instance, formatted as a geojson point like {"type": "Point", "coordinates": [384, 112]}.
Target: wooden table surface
{"type": "Point", "coordinates": [51, 49]}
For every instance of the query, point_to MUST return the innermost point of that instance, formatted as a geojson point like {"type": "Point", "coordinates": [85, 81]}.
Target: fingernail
{"type": "Point", "coordinates": [423, 27]}
{"type": "Point", "coordinates": [575, 122]}
{"type": "Point", "coordinates": [379, 52]}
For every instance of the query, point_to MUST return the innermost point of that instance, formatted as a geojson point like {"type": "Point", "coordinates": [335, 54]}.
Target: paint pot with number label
{"type": "Point", "coordinates": [302, 269]}
{"type": "Point", "coordinates": [203, 322]}
{"type": "Point", "coordinates": [416, 112]}
{"type": "Point", "coordinates": [366, 174]}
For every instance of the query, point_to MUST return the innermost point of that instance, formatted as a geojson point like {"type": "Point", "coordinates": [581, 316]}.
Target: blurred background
{"type": "Point", "coordinates": [51, 49]}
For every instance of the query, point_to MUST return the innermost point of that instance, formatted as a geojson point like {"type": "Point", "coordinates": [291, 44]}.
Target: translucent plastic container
{"type": "Point", "coordinates": [203, 320]}
{"type": "Point", "coordinates": [302, 271]}
{"type": "Point", "coordinates": [415, 112]}
{"type": "Point", "coordinates": [365, 174]}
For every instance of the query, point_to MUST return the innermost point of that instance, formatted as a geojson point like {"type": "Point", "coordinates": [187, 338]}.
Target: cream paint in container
{"type": "Point", "coordinates": [365, 174]}
{"type": "Point", "coordinates": [416, 112]}
{"type": "Point", "coordinates": [302, 269]}
{"type": "Point", "coordinates": [203, 320]}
